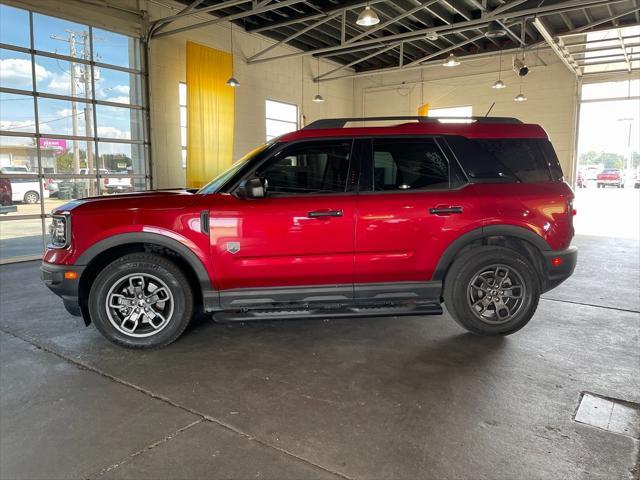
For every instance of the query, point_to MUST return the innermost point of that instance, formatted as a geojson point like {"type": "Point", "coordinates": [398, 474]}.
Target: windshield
{"type": "Point", "coordinates": [224, 177]}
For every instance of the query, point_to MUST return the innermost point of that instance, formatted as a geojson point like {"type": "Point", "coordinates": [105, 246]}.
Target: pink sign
{"type": "Point", "coordinates": [52, 143]}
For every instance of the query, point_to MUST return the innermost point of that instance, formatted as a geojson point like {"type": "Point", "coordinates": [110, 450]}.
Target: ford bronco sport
{"type": "Point", "coordinates": [328, 222]}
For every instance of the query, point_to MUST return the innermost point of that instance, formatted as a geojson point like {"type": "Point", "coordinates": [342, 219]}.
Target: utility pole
{"type": "Point", "coordinates": [74, 108]}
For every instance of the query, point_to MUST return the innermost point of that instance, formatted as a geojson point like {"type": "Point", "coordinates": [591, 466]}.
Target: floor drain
{"type": "Point", "coordinates": [610, 414]}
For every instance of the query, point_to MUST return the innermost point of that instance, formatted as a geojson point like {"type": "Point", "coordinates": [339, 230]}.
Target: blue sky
{"type": "Point", "coordinates": [54, 76]}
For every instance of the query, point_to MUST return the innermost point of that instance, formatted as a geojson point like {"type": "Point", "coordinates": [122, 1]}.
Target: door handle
{"type": "Point", "coordinates": [325, 213]}
{"type": "Point", "coordinates": [442, 211]}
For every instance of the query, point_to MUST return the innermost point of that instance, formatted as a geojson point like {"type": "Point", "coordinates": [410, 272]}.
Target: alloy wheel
{"type": "Point", "coordinates": [139, 305]}
{"type": "Point", "coordinates": [496, 294]}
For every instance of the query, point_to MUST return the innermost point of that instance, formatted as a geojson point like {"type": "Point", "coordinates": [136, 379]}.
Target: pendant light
{"type": "Point", "coordinates": [232, 82]}
{"type": "Point", "coordinates": [318, 98]}
{"type": "Point", "coordinates": [368, 17]}
{"type": "Point", "coordinates": [498, 84]}
{"type": "Point", "coordinates": [521, 97]}
{"type": "Point", "coordinates": [452, 61]}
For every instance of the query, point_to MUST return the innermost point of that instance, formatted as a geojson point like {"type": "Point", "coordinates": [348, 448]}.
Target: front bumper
{"type": "Point", "coordinates": [559, 266]}
{"type": "Point", "coordinates": [53, 277]}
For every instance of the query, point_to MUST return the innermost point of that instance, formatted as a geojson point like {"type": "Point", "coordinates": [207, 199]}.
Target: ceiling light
{"type": "Point", "coordinates": [233, 81]}
{"type": "Point", "coordinates": [433, 36]}
{"type": "Point", "coordinates": [452, 61]}
{"type": "Point", "coordinates": [520, 67]}
{"type": "Point", "coordinates": [318, 98]}
{"type": "Point", "coordinates": [499, 84]}
{"type": "Point", "coordinates": [521, 97]}
{"type": "Point", "coordinates": [368, 17]}
{"type": "Point", "coordinates": [495, 30]}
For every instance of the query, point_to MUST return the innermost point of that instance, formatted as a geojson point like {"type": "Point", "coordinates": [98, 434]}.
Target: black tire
{"type": "Point", "coordinates": [31, 197]}
{"type": "Point", "coordinates": [467, 268]}
{"type": "Point", "coordinates": [154, 268]}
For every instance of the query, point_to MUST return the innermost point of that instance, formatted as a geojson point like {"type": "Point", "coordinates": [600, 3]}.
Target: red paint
{"type": "Point", "coordinates": [381, 237]}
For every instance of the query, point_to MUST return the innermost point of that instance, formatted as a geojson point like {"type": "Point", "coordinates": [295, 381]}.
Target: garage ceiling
{"type": "Point", "coordinates": [415, 33]}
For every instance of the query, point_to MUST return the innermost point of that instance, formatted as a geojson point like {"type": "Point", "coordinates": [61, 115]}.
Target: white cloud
{"type": "Point", "coordinates": [121, 89]}
{"type": "Point", "coordinates": [23, 126]}
{"type": "Point", "coordinates": [65, 112]}
{"type": "Point", "coordinates": [113, 132]}
{"type": "Point", "coordinates": [18, 71]}
{"type": "Point", "coordinates": [118, 99]}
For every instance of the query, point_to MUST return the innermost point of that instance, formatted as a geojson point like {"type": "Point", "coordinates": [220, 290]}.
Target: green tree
{"type": "Point", "coordinates": [606, 159]}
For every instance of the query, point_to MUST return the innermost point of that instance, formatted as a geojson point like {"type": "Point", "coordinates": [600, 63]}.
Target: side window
{"type": "Point", "coordinates": [314, 167]}
{"type": "Point", "coordinates": [523, 157]}
{"type": "Point", "coordinates": [408, 164]}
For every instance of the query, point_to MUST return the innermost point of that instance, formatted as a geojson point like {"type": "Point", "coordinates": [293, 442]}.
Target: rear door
{"type": "Point", "coordinates": [413, 202]}
{"type": "Point", "coordinates": [300, 236]}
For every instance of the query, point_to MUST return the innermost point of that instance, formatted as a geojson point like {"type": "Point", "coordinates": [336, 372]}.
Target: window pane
{"type": "Point", "coordinates": [18, 153]}
{"type": "Point", "coordinates": [319, 167]}
{"type": "Point", "coordinates": [184, 158]}
{"type": "Point", "coordinates": [119, 87]}
{"type": "Point", "coordinates": [183, 136]}
{"type": "Point", "coordinates": [14, 26]}
{"type": "Point", "coordinates": [182, 93]}
{"type": "Point", "coordinates": [55, 77]}
{"type": "Point", "coordinates": [464, 111]}
{"type": "Point", "coordinates": [116, 49]}
{"type": "Point", "coordinates": [276, 128]}
{"type": "Point", "coordinates": [119, 122]}
{"type": "Point", "coordinates": [281, 111]}
{"type": "Point", "coordinates": [627, 88]}
{"type": "Point", "coordinates": [25, 190]}
{"type": "Point", "coordinates": [16, 113]}
{"type": "Point", "coordinates": [407, 164]}
{"type": "Point", "coordinates": [20, 238]}
{"type": "Point", "coordinates": [63, 190]}
{"type": "Point", "coordinates": [522, 157]}
{"type": "Point", "coordinates": [64, 117]}
{"type": "Point", "coordinates": [61, 36]}
{"type": "Point", "coordinates": [66, 156]}
{"type": "Point", "coordinates": [183, 116]}
{"type": "Point", "coordinates": [15, 70]}
{"type": "Point", "coordinates": [121, 158]}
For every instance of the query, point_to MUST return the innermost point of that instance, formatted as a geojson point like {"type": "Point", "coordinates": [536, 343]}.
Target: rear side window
{"type": "Point", "coordinates": [406, 164]}
{"type": "Point", "coordinates": [519, 160]}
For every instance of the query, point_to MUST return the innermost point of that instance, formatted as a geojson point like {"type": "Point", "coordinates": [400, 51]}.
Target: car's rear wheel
{"type": "Point", "coordinates": [141, 300]}
{"type": "Point", "coordinates": [31, 197]}
{"type": "Point", "coordinates": [492, 290]}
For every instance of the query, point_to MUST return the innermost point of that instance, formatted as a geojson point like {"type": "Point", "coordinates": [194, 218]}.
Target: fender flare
{"type": "Point", "coordinates": [210, 296]}
{"type": "Point", "coordinates": [446, 259]}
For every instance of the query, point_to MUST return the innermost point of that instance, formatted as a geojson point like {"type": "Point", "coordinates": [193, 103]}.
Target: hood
{"type": "Point", "coordinates": [150, 200]}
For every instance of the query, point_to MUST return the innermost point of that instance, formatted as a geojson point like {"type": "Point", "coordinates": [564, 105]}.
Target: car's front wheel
{"type": "Point", "coordinates": [492, 290]}
{"type": "Point", "coordinates": [141, 300]}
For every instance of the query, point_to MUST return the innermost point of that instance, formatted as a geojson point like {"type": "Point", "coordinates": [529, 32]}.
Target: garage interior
{"type": "Point", "coordinates": [94, 100]}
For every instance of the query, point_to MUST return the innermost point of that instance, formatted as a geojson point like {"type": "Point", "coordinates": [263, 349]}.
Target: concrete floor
{"type": "Point", "coordinates": [369, 398]}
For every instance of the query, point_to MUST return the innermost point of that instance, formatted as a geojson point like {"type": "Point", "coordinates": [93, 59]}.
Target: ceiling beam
{"type": "Point", "coordinates": [500, 13]}
{"type": "Point", "coordinates": [228, 18]}
{"type": "Point", "coordinates": [313, 16]}
{"type": "Point", "coordinates": [624, 50]}
{"type": "Point", "coordinates": [562, 54]}
{"type": "Point", "coordinates": [350, 64]}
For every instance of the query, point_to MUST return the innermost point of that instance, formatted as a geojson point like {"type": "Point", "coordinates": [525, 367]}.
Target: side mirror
{"type": "Point", "coordinates": [252, 188]}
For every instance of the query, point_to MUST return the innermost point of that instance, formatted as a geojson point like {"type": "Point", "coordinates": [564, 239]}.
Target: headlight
{"type": "Point", "coordinates": [59, 232]}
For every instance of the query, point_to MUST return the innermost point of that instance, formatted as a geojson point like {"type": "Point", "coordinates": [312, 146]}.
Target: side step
{"type": "Point", "coordinates": [343, 312]}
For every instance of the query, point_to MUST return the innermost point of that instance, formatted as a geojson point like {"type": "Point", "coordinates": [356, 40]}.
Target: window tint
{"type": "Point", "coordinates": [318, 167]}
{"type": "Point", "coordinates": [522, 157]}
{"type": "Point", "coordinates": [510, 160]}
{"type": "Point", "coordinates": [406, 164]}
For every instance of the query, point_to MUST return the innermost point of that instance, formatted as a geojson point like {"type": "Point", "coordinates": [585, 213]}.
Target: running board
{"type": "Point", "coordinates": [343, 312]}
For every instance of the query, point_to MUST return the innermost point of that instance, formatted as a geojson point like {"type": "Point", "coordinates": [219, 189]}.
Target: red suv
{"type": "Point", "coordinates": [327, 222]}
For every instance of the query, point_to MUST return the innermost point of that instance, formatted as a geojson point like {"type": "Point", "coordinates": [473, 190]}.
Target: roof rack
{"type": "Point", "coordinates": [340, 122]}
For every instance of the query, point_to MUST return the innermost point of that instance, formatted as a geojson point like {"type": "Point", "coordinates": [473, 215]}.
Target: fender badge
{"type": "Point", "coordinates": [233, 247]}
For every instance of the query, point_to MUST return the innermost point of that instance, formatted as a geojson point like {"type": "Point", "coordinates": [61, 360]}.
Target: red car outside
{"type": "Point", "coordinates": [326, 222]}
{"type": "Point", "coordinates": [610, 177]}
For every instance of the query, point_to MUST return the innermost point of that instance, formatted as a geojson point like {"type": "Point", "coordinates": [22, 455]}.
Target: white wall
{"type": "Point", "coordinates": [550, 88]}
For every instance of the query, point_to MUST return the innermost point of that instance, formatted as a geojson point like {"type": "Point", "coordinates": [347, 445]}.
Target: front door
{"type": "Point", "coordinates": [296, 244]}
{"type": "Point", "coordinates": [413, 203]}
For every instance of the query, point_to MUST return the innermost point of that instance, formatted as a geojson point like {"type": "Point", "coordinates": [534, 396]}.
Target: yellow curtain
{"type": "Point", "coordinates": [210, 116]}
